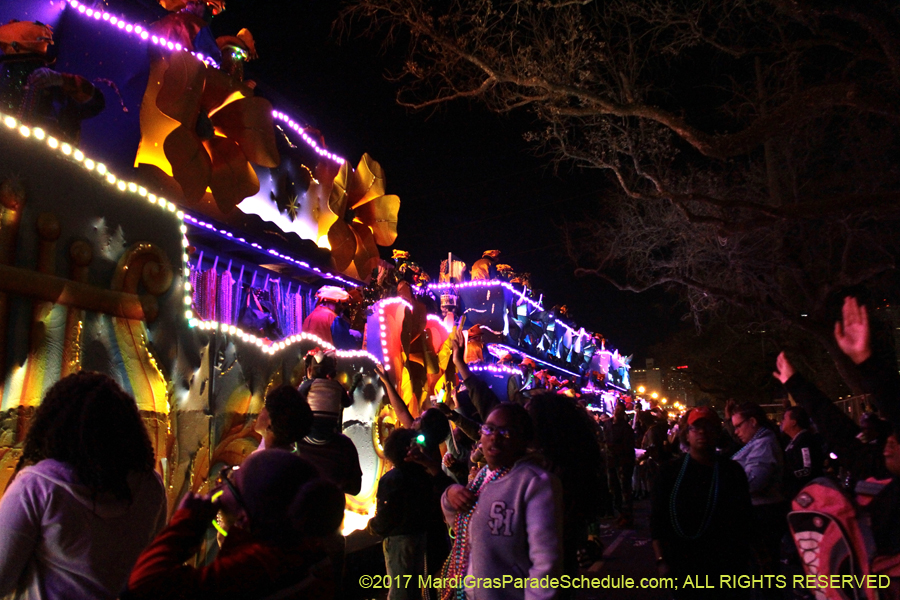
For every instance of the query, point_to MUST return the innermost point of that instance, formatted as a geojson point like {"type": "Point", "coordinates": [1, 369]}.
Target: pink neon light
{"type": "Point", "coordinates": [440, 321]}
{"type": "Point", "coordinates": [382, 334]}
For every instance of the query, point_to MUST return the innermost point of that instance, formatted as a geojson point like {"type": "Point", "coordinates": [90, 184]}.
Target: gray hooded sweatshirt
{"type": "Point", "coordinates": [56, 542]}
{"type": "Point", "coordinates": [516, 530]}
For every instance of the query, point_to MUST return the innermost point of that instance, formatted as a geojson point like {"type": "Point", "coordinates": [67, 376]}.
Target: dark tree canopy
{"type": "Point", "coordinates": [752, 145]}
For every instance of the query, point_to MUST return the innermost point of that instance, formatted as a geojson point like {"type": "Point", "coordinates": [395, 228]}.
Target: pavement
{"type": "Point", "coordinates": [627, 555]}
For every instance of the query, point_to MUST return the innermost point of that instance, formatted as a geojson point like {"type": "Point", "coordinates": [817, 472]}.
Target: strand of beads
{"type": "Point", "coordinates": [711, 501]}
{"type": "Point", "coordinates": [224, 299]}
{"type": "Point", "coordinates": [458, 561]}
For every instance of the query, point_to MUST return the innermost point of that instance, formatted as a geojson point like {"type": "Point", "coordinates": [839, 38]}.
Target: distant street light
{"type": "Point", "coordinates": [641, 389]}
{"type": "Point", "coordinates": [654, 395]}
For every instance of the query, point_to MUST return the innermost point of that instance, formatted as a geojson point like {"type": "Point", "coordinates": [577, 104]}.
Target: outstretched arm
{"type": "Point", "coordinates": [459, 360]}
{"type": "Point", "coordinates": [836, 427]}
{"type": "Point", "coordinates": [400, 408]}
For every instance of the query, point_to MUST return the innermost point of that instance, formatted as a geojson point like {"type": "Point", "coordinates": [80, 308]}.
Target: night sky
{"type": "Point", "coordinates": [467, 180]}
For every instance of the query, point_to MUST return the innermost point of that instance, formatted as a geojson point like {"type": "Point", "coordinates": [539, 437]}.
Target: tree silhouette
{"type": "Point", "coordinates": [752, 145]}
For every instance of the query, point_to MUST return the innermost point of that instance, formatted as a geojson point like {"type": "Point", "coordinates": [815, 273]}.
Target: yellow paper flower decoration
{"type": "Point", "coordinates": [365, 218]}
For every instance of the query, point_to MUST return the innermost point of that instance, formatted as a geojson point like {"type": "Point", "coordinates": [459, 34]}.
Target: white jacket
{"type": "Point", "coordinates": [57, 543]}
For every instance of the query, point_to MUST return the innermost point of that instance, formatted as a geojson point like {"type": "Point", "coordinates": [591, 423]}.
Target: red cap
{"type": "Point", "coordinates": [702, 412]}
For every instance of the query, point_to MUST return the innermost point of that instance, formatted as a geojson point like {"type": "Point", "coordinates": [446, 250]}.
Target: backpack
{"type": "Point", "coordinates": [833, 537]}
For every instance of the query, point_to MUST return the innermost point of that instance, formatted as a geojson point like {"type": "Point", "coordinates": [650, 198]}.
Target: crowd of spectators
{"type": "Point", "coordinates": [521, 484]}
{"type": "Point", "coordinates": [816, 496]}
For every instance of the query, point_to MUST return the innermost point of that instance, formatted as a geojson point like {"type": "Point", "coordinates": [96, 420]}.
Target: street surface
{"type": "Point", "coordinates": [627, 553]}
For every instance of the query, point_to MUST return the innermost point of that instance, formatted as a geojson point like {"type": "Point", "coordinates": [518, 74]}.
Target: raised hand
{"type": "Point", "coordinates": [852, 332]}
{"type": "Point", "coordinates": [784, 370]}
{"type": "Point", "coordinates": [201, 505]}
{"type": "Point", "coordinates": [458, 346]}
{"type": "Point", "coordinates": [730, 408]}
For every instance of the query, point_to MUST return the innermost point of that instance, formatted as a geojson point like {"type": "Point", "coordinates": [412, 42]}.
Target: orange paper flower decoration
{"type": "Point", "coordinates": [366, 218]}
{"type": "Point", "coordinates": [218, 135]}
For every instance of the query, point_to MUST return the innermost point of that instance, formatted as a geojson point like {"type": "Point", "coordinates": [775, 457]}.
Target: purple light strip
{"type": "Point", "coordinates": [302, 264]}
{"type": "Point", "coordinates": [301, 131]}
{"type": "Point", "coordinates": [134, 29]}
{"type": "Point", "coordinates": [492, 283]}
{"type": "Point", "coordinates": [141, 32]}
{"type": "Point", "coordinates": [543, 362]}
{"type": "Point", "coordinates": [495, 369]}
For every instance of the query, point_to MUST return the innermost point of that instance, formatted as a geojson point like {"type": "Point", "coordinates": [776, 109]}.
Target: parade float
{"type": "Point", "coordinates": [164, 223]}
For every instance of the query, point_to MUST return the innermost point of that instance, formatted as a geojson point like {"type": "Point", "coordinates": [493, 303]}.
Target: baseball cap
{"type": "Point", "coordinates": [702, 412]}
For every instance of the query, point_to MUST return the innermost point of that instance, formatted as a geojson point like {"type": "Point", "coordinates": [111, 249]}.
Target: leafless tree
{"type": "Point", "coordinates": [752, 144]}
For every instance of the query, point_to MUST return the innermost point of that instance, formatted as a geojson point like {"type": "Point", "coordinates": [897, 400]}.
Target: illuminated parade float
{"type": "Point", "coordinates": [163, 222]}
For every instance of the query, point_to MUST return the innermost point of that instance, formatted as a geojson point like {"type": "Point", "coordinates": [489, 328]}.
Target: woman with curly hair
{"type": "Point", "coordinates": [85, 499]}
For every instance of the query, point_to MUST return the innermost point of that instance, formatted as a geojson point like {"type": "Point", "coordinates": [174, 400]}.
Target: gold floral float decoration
{"type": "Point", "coordinates": [210, 127]}
{"type": "Point", "coordinates": [364, 218]}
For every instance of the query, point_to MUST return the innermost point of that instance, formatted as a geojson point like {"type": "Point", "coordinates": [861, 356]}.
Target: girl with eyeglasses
{"type": "Point", "coordinates": [508, 520]}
